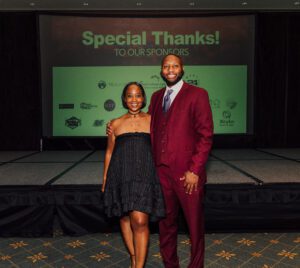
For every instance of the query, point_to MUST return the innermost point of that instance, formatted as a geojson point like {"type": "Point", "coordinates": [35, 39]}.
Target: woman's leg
{"type": "Point", "coordinates": [139, 224]}
{"type": "Point", "coordinates": [128, 237]}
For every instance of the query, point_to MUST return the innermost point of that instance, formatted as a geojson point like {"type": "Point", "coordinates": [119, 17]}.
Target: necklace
{"type": "Point", "coordinates": [134, 115]}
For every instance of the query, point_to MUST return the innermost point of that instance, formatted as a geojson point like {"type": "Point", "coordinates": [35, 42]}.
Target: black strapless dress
{"type": "Point", "coordinates": [132, 182]}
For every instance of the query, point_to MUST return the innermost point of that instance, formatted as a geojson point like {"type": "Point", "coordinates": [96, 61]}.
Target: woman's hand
{"type": "Point", "coordinates": [103, 187]}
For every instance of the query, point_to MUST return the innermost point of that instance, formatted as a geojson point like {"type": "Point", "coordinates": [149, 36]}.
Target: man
{"type": "Point", "coordinates": [181, 133]}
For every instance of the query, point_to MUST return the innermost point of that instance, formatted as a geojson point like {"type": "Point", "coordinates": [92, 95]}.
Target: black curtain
{"type": "Point", "coordinates": [293, 88]}
{"type": "Point", "coordinates": [270, 79]}
{"type": "Point", "coordinates": [277, 112]}
{"type": "Point", "coordinates": [20, 124]}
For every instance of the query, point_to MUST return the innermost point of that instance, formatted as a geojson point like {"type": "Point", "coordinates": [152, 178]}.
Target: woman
{"type": "Point", "coordinates": [130, 184]}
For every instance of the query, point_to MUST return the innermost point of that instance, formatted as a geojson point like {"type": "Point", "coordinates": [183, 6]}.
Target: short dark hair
{"type": "Point", "coordinates": [124, 94]}
{"type": "Point", "coordinates": [170, 54]}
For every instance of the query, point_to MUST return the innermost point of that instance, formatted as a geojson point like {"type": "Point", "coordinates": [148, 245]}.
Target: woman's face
{"type": "Point", "coordinates": [134, 98]}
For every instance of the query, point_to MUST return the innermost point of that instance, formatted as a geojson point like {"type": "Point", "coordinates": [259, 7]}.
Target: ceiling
{"type": "Point", "coordinates": [154, 5]}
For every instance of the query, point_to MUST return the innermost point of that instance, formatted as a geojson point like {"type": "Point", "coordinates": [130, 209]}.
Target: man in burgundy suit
{"type": "Point", "coordinates": [181, 133]}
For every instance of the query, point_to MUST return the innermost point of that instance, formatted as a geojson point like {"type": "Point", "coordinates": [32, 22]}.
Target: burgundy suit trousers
{"type": "Point", "coordinates": [192, 205]}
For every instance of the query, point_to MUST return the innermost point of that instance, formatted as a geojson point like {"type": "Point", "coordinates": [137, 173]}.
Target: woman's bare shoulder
{"type": "Point", "coordinates": [115, 123]}
{"type": "Point", "coordinates": [147, 116]}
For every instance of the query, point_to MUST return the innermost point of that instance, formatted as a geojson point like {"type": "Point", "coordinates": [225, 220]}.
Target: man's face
{"type": "Point", "coordinates": [171, 70]}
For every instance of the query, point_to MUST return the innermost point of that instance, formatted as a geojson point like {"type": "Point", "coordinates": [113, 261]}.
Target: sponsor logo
{"type": "Point", "coordinates": [109, 105]}
{"type": "Point", "coordinates": [98, 123]}
{"type": "Point", "coordinates": [227, 121]}
{"type": "Point", "coordinates": [192, 79]}
{"type": "Point", "coordinates": [66, 106]}
{"type": "Point", "coordinates": [101, 84]}
{"type": "Point", "coordinates": [226, 114]}
{"type": "Point", "coordinates": [87, 106]}
{"type": "Point", "coordinates": [154, 81]}
{"type": "Point", "coordinates": [73, 122]}
{"type": "Point", "coordinates": [231, 104]}
{"type": "Point", "coordinates": [155, 77]}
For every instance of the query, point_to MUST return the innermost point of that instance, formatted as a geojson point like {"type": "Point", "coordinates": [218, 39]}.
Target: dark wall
{"type": "Point", "coordinates": [277, 112]}
{"type": "Point", "coordinates": [277, 85]}
{"type": "Point", "coordinates": [293, 81]}
{"type": "Point", "coordinates": [19, 90]}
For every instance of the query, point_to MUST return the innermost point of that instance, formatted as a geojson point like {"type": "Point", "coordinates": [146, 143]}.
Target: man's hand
{"type": "Point", "coordinates": [109, 129]}
{"type": "Point", "coordinates": [190, 182]}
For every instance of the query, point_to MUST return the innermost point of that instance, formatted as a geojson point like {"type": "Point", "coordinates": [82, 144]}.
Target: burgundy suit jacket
{"type": "Point", "coordinates": [185, 131]}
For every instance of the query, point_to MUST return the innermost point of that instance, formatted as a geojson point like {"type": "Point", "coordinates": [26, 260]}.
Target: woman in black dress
{"type": "Point", "coordinates": [130, 184]}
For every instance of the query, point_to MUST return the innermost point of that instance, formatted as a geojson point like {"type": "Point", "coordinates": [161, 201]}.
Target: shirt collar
{"type": "Point", "coordinates": [176, 87]}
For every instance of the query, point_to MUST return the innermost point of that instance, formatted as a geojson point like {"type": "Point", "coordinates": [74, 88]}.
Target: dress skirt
{"type": "Point", "coordinates": [132, 182]}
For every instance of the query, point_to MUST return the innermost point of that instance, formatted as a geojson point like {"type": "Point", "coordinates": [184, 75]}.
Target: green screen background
{"type": "Point", "coordinates": [79, 86]}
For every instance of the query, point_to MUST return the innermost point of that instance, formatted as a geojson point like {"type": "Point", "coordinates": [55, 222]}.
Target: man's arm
{"type": "Point", "coordinates": [150, 108]}
{"type": "Point", "coordinates": [203, 125]}
{"type": "Point", "coordinates": [109, 129]}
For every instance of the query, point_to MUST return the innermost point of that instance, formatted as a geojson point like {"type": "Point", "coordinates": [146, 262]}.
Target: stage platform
{"type": "Point", "coordinates": [246, 190]}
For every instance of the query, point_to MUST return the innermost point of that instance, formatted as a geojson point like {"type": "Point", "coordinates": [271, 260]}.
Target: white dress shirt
{"type": "Point", "coordinates": [176, 88]}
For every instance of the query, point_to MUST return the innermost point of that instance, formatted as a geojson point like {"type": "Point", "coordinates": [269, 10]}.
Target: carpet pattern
{"type": "Point", "coordinates": [261, 250]}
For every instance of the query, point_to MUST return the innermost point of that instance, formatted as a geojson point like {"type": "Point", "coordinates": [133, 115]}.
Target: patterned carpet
{"type": "Point", "coordinates": [262, 250]}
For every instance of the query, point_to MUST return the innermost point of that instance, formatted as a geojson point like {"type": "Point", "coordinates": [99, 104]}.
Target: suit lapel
{"type": "Point", "coordinates": [160, 99]}
{"type": "Point", "coordinates": [179, 96]}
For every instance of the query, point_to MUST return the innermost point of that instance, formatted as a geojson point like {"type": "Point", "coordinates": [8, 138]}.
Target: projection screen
{"type": "Point", "coordinates": [86, 62]}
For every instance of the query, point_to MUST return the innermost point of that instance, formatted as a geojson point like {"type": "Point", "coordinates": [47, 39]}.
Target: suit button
{"type": "Point", "coordinates": [162, 151]}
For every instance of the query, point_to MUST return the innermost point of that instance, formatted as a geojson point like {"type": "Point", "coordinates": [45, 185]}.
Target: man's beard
{"type": "Point", "coordinates": [172, 83]}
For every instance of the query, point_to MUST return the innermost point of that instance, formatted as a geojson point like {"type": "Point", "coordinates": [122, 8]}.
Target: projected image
{"type": "Point", "coordinates": [83, 102]}
{"type": "Point", "coordinates": [86, 62]}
